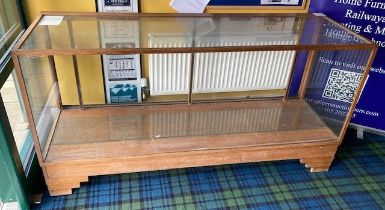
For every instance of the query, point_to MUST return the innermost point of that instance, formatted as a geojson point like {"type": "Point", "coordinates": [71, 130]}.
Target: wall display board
{"type": "Point", "coordinates": [122, 73]}
{"type": "Point", "coordinates": [255, 2]}
{"type": "Point", "coordinates": [366, 17]}
{"type": "Point", "coordinates": [287, 6]}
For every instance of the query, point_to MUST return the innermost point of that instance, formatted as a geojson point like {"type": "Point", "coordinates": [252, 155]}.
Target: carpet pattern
{"type": "Point", "coordinates": [356, 180]}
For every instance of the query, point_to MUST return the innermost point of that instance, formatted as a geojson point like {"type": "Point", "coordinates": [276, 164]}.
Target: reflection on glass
{"type": "Point", "coordinates": [9, 25]}
{"type": "Point", "coordinates": [9, 16]}
{"type": "Point", "coordinates": [15, 112]}
{"type": "Point", "coordinates": [333, 82]}
{"type": "Point", "coordinates": [157, 122]}
{"type": "Point", "coordinates": [17, 117]}
{"type": "Point", "coordinates": [82, 32]}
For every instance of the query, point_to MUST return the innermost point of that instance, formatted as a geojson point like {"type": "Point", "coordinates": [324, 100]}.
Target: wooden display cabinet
{"type": "Point", "coordinates": [221, 89]}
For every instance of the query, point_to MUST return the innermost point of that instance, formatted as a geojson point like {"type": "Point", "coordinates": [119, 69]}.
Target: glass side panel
{"type": "Point", "coordinates": [333, 81]}
{"type": "Point", "coordinates": [43, 94]}
{"type": "Point", "coordinates": [88, 32]}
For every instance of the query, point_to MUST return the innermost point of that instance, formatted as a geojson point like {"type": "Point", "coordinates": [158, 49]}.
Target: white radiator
{"type": "Point", "coordinates": [220, 72]}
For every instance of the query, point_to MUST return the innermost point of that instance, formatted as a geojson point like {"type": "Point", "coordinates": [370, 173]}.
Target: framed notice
{"type": "Point", "coordinates": [118, 6]}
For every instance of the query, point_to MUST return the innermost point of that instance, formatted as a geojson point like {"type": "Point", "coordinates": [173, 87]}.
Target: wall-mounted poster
{"type": "Point", "coordinates": [123, 92]}
{"type": "Point", "coordinates": [117, 5]}
{"type": "Point", "coordinates": [366, 17]}
{"type": "Point", "coordinates": [256, 2]}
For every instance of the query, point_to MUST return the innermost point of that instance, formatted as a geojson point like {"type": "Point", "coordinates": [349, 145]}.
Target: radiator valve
{"type": "Point", "coordinates": [145, 89]}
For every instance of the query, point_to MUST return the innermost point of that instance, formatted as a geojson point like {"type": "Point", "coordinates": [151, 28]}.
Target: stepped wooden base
{"type": "Point", "coordinates": [63, 176]}
{"type": "Point", "coordinates": [318, 164]}
{"type": "Point", "coordinates": [64, 186]}
{"type": "Point", "coordinates": [94, 142]}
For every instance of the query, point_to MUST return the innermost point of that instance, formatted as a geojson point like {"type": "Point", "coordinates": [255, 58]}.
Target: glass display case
{"type": "Point", "coordinates": [206, 90]}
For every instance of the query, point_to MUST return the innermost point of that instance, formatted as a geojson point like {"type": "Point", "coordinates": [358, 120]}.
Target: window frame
{"type": "Point", "coordinates": [16, 171]}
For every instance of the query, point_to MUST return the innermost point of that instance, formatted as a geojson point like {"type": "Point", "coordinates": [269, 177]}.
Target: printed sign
{"type": "Point", "coordinates": [341, 85]}
{"type": "Point", "coordinates": [115, 3]}
{"type": "Point", "coordinates": [189, 6]}
{"type": "Point", "coordinates": [121, 68]}
{"type": "Point", "coordinates": [117, 6]}
{"type": "Point", "coordinates": [124, 92]}
{"type": "Point", "coordinates": [51, 20]}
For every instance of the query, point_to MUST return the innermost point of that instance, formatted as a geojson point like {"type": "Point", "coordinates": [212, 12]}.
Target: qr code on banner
{"type": "Point", "coordinates": [341, 85]}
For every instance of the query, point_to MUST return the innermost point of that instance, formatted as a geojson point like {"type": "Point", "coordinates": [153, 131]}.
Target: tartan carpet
{"type": "Point", "coordinates": [356, 180]}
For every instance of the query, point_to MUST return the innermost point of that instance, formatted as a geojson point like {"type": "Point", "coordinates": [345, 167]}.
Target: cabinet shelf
{"type": "Point", "coordinates": [121, 131]}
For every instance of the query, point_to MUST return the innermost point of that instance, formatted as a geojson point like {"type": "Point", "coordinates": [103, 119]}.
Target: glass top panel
{"type": "Point", "coordinates": [178, 31]}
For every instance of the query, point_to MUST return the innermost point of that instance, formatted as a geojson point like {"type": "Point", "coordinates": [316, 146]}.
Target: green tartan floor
{"type": "Point", "coordinates": [356, 180]}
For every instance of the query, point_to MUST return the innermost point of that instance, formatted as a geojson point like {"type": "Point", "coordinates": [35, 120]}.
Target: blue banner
{"type": "Point", "coordinates": [366, 17]}
{"type": "Point", "coordinates": [255, 2]}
